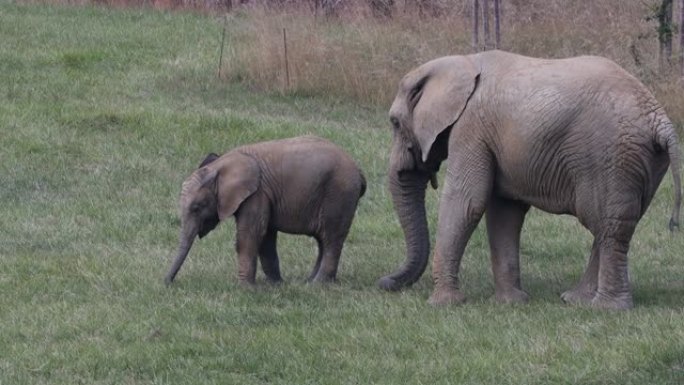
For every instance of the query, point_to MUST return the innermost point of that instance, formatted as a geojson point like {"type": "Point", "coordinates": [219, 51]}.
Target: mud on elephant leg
{"type": "Point", "coordinates": [585, 290]}
{"type": "Point", "coordinates": [268, 255]}
{"type": "Point", "coordinates": [504, 222]}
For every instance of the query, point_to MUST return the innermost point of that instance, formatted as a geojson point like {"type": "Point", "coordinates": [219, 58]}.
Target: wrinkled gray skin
{"type": "Point", "coordinates": [576, 136]}
{"type": "Point", "coordinates": [303, 185]}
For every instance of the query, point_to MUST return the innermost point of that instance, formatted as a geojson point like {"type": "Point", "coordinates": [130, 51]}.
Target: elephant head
{"type": "Point", "coordinates": [430, 100]}
{"type": "Point", "coordinates": [211, 194]}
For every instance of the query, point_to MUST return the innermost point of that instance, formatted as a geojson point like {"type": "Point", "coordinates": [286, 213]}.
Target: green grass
{"type": "Point", "coordinates": [104, 112]}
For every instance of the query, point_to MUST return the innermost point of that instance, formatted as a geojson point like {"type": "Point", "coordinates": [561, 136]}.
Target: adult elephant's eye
{"type": "Point", "coordinates": [416, 92]}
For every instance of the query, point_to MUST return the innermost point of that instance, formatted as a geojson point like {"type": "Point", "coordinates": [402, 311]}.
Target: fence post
{"type": "Point", "coordinates": [287, 64]}
{"type": "Point", "coordinates": [223, 40]}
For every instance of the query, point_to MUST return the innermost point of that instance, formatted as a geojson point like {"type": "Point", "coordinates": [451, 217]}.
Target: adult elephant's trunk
{"type": "Point", "coordinates": [408, 196]}
{"type": "Point", "coordinates": [184, 245]}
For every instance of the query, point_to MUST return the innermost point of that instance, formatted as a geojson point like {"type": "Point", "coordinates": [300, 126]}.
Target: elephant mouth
{"type": "Point", "coordinates": [429, 167]}
{"type": "Point", "coordinates": [432, 175]}
{"type": "Point", "coordinates": [433, 180]}
{"type": "Point", "coordinates": [207, 225]}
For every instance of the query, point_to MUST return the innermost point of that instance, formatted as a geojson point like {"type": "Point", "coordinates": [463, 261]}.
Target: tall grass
{"type": "Point", "coordinates": [358, 56]}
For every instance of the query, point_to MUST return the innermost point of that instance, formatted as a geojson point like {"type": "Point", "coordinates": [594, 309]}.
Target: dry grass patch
{"type": "Point", "coordinates": [358, 56]}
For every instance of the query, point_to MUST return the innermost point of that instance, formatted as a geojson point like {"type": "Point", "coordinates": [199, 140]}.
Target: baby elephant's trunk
{"type": "Point", "coordinates": [184, 246]}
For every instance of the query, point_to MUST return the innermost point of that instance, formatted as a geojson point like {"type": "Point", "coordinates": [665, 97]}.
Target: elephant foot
{"type": "Point", "coordinates": [578, 296]}
{"type": "Point", "coordinates": [247, 284]}
{"type": "Point", "coordinates": [389, 284]}
{"type": "Point", "coordinates": [322, 278]}
{"type": "Point", "coordinates": [444, 297]}
{"type": "Point", "coordinates": [168, 281]}
{"type": "Point", "coordinates": [601, 301]}
{"type": "Point", "coordinates": [511, 296]}
{"type": "Point", "coordinates": [274, 281]}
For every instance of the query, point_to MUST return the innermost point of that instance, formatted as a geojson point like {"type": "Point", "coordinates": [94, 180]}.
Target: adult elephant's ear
{"type": "Point", "coordinates": [440, 97]}
{"type": "Point", "coordinates": [238, 179]}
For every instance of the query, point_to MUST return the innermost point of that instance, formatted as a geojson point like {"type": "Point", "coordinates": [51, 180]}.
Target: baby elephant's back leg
{"type": "Point", "coordinates": [336, 216]}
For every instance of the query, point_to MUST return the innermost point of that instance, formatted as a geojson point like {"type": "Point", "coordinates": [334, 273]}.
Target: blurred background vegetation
{"type": "Point", "coordinates": [360, 48]}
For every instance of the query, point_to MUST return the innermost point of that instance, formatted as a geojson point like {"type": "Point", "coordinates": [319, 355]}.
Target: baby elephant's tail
{"type": "Point", "coordinates": [363, 184]}
{"type": "Point", "coordinates": [668, 140]}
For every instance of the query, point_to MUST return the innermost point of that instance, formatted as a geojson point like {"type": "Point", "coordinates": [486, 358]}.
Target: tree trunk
{"type": "Point", "coordinates": [681, 37]}
{"type": "Point", "coordinates": [382, 9]}
{"type": "Point", "coordinates": [330, 7]}
{"type": "Point", "coordinates": [476, 25]}
{"type": "Point", "coordinates": [497, 24]}
{"type": "Point", "coordinates": [485, 24]}
{"type": "Point", "coordinates": [665, 32]}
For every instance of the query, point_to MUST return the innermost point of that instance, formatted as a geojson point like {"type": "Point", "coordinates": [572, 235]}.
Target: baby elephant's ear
{"type": "Point", "coordinates": [209, 158]}
{"type": "Point", "coordinates": [238, 179]}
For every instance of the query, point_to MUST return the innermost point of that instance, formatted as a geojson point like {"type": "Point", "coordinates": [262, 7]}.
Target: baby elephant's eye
{"type": "Point", "coordinates": [195, 207]}
{"type": "Point", "coordinates": [395, 122]}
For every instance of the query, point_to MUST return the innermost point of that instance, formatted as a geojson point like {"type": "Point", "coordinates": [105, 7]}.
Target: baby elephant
{"type": "Point", "coordinates": [304, 185]}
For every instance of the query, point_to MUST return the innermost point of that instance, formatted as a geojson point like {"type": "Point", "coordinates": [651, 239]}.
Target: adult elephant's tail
{"type": "Point", "coordinates": [668, 140]}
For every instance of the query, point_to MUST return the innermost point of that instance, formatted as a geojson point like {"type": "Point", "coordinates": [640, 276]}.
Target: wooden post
{"type": "Point", "coordinates": [485, 24]}
{"type": "Point", "coordinates": [287, 64]}
{"type": "Point", "coordinates": [665, 33]}
{"type": "Point", "coordinates": [476, 25]}
{"type": "Point", "coordinates": [497, 24]}
{"type": "Point", "coordinates": [223, 40]}
{"type": "Point", "coordinates": [681, 37]}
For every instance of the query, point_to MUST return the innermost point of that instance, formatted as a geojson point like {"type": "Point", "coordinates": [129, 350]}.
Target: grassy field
{"type": "Point", "coordinates": [104, 112]}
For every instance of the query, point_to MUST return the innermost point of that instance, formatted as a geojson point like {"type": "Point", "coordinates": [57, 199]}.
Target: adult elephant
{"type": "Point", "coordinates": [575, 136]}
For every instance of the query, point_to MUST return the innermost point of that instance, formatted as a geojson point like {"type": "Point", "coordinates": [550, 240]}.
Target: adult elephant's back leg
{"type": "Point", "coordinates": [623, 211]}
{"type": "Point", "coordinates": [585, 290]}
{"type": "Point", "coordinates": [504, 222]}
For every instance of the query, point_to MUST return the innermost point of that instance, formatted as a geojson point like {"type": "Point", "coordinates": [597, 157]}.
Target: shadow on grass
{"type": "Point", "coordinates": [667, 367]}
{"type": "Point", "coordinates": [649, 294]}
{"type": "Point", "coordinates": [663, 295]}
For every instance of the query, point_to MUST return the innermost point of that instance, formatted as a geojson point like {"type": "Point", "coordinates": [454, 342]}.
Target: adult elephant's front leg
{"type": "Point", "coordinates": [466, 192]}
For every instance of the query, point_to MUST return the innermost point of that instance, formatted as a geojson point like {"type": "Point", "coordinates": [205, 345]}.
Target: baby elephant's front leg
{"type": "Point", "coordinates": [247, 250]}
{"type": "Point", "coordinates": [268, 255]}
{"type": "Point", "coordinates": [251, 222]}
